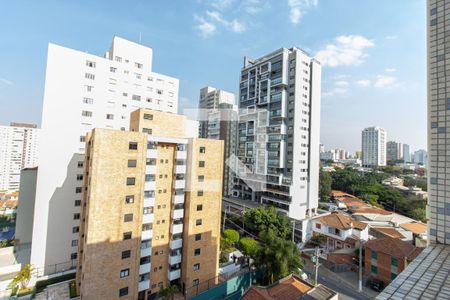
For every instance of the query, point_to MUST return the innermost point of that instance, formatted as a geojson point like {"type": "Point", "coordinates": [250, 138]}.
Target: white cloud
{"type": "Point", "coordinates": [390, 70]}
{"type": "Point", "coordinates": [254, 7]}
{"type": "Point", "coordinates": [340, 89]}
{"type": "Point", "coordinates": [383, 81]}
{"type": "Point", "coordinates": [233, 25]}
{"type": "Point", "coordinates": [6, 81]}
{"type": "Point", "coordinates": [298, 7]}
{"type": "Point", "coordinates": [345, 51]}
{"type": "Point", "coordinates": [364, 82]}
{"type": "Point", "coordinates": [221, 4]}
{"type": "Point", "coordinates": [205, 28]}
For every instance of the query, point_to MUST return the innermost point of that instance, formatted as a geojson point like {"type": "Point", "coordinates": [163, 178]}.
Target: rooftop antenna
{"type": "Point", "coordinates": [140, 37]}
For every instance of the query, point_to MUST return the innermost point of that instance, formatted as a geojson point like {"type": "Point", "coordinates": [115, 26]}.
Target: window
{"type": "Point", "coordinates": [132, 163]}
{"type": "Point", "coordinates": [74, 243]}
{"type": "Point", "coordinates": [123, 291]}
{"type": "Point", "coordinates": [126, 254]}
{"type": "Point", "coordinates": [109, 116]}
{"type": "Point", "coordinates": [199, 193]}
{"type": "Point", "coordinates": [394, 261]}
{"type": "Point", "coordinates": [79, 177]}
{"type": "Point", "coordinates": [124, 273]}
{"type": "Point", "coordinates": [201, 178]}
{"type": "Point", "coordinates": [318, 225]}
{"type": "Point", "coordinates": [129, 199]}
{"type": "Point", "coordinates": [76, 216]}
{"type": "Point", "coordinates": [77, 202]}
{"type": "Point", "coordinates": [128, 217]}
{"type": "Point", "coordinates": [195, 282]}
{"type": "Point", "coordinates": [198, 222]}
{"type": "Point", "coordinates": [196, 267]}
{"type": "Point", "coordinates": [112, 69]}
{"type": "Point", "coordinates": [198, 237]}
{"type": "Point", "coordinates": [202, 149]}
{"type": "Point", "coordinates": [126, 236]}
{"type": "Point", "coordinates": [138, 65]}
{"type": "Point", "coordinates": [119, 59]}
{"type": "Point", "coordinates": [147, 130]}
{"type": "Point", "coordinates": [89, 76]}
{"type": "Point", "coordinates": [88, 100]}
{"type": "Point", "coordinates": [80, 164]}
{"type": "Point", "coordinates": [132, 146]}
{"type": "Point", "coordinates": [374, 254]}
{"type": "Point", "coordinates": [148, 117]}
{"type": "Point", "coordinates": [75, 229]}
{"type": "Point", "coordinates": [393, 276]}
{"type": "Point", "coordinates": [136, 97]}
{"type": "Point", "coordinates": [131, 181]}
{"type": "Point", "coordinates": [201, 164]}
{"type": "Point", "coordinates": [73, 256]}
{"type": "Point", "coordinates": [89, 88]}
{"type": "Point", "coordinates": [199, 207]}
{"type": "Point", "coordinates": [82, 138]}
{"type": "Point", "coordinates": [90, 64]}
{"type": "Point", "coordinates": [197, 252]}
{"type": "Point", "coordinates": [86, 113]}
{"type": "Point", "coordinates": [374, 269]}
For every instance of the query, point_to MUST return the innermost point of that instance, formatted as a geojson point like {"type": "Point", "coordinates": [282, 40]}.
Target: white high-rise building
{"type": "Point", "coordinates": [84, 91]}
{"type": "Point", "coordinates": [374, 147]}
{"type": "Point", "coordinates": [406, 153]}
{"type": "Point", "coordinates": [421, 157]}
{"type": "Point", "coordinates": [18, 150]}
{"type": "Point", "coordinates": [279, 132]}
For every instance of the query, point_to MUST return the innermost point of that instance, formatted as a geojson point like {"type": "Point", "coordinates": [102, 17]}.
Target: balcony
{"type": "Point", "coordinates": [146, 252]}
{"type": "Point", "coordinates": [178, 199]}
{"type": "Point", "coordinates": [145, 268]}
{"type": "Point", "coordinates": [152, 153]}
{"type": "Point", "coordinates": [147, 234]}
{"type": "Point", "coordinates": [176, 244]}
{"type": "Point", "coordinates": [175, 259]}
{"type": "Point", "coordinates": [150, 169]}
{"type": "Point", "coordinates": [149, 186]}
{"type": "Point", "coordinates": [181, 155]}
{"type": "Point", "coordinates": [144, 285]}
{"type": "Point", "coordinates": [180, 184]}
{"type": "Point", "coordinates": [177, 213]}
{"type": "Point", "coordinates": [176, 228]}
{"type": "Point", "coordinates": [180, 169]}
{"type": "Point", "coordinates": [149, 202]}
{"type": "Point", "coordinates": [174, 274]}
{"type": "Point", "coordinates": [147, 218]}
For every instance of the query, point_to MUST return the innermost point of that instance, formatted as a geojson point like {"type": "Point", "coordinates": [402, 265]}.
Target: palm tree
{"type": "Point", "coordinates": [169, 292]}
{"type": "Point", "coordinates": [22, 278]}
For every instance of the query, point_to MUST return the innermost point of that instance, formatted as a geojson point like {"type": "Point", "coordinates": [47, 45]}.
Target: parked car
{"type": "Point", "coordinates": [376, 285]}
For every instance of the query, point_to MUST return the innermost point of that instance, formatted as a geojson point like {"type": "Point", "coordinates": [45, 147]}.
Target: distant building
{"type": "Point", "coordinates": [421, 157]}
{"type": "Point", "coordinates": [386, 257]}
{"type": "Point", "coordinates": [328, 155]}
{"type": "Point", "coordinates": [394, 151]}
{"type": "Point", "coordinates": [358, 154]}
{"type": "Point", "coordinates": [18, 150]}
{"type": "Point", "coordinates": [406, 153]}
{"type": "Point", "coordinates": [374, 147]}
{"type": "Point", "coordinates": [321, 148]}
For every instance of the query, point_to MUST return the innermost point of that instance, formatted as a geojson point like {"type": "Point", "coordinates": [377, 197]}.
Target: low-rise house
{"type": "Point", "coordinates": [387, 257]}
{"type": "Point", "coordinates": [419, 232]}
{"type": "Point", "coordinates": [393, 181]}
{"type": "Point", "coordinates": [342, 231]}
{"type": "Point", "coordinates": [291, 287]}
{"type": "Point", "coordinates": [379, 232]}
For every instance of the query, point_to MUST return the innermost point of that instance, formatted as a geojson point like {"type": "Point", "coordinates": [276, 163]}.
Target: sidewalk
{"type": "Point", "coordinates": [350, 279]}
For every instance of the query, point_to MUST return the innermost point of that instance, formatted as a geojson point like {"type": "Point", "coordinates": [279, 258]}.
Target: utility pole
{"type": "Point", "coordinates": [317, 266]}
{"type": "Point", "coordinates": [360, 266]}
{"type": "Point", "coordinates": [224, 219]}
{"type": "Point", "coordinates": [293, 231]}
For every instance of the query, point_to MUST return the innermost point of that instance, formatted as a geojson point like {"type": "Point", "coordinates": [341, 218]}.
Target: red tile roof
{"type": "Point", "coordinates": [289, 288]}
{"type": "Point", "coordinates": [369, 210]}
{"type": "Point", "coordinates": [415, 227]}
{"type": "Point", "coordinates": [388, 231]}
{"type": "Point", "coordinates": [393, 247]}
{"type": "Point", "coordinates": [341, 221]}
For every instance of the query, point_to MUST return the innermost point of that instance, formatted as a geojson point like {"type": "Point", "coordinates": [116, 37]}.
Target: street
{"type": "Point", "coordinates": [332, 280]}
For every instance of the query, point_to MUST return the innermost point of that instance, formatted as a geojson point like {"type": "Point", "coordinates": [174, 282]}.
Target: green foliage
{"type": "Point", "coordinates": [317, 239]}
{"type": "Point", "coordinates": [168, 293]}
{"type": "Point", "coordinates": [41, 285]}
{"type": "Point", "coordinates": [324, 185]}
{"type": "Point", "coordinates": [267, 218]}
{"type": "Point", "coordinates": [22, 278]}
{"type": "Point", "coordinates": [7, 243]}
{"type": "Point", "coordinates": [231, 235]}
{"type": "Point", "coordinates": [250, 246]}
{"type": "Point", "coordinates": [419, 182]}
{"type": "Point", "coordinates": [277, 258]}
{"type": "Point", "coordinates": [419, 214]}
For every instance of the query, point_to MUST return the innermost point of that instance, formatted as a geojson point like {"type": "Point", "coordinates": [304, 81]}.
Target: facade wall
{"type": "Point", "coordinates": [82, 92]}
{"type": "Point", "coordinates": [383, 264]}
{"type": "Point", "coordinates": [25, 209]}
{"type": "Point", "coordinates": [373, 147]}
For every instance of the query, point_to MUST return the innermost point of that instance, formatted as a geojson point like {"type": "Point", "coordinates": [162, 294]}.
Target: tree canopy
{"type": "Point", "coordinates": [267, 218]}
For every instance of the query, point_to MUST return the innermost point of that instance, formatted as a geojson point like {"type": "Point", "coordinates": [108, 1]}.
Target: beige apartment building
{"type": "Point", "coordinates": [151, 209]}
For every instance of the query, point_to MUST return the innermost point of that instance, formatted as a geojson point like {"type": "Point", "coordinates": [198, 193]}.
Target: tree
{"type": "Point", "coordinates": [265, 218]}
{"type": "Point", "coordinates": [169, 292]}
{"type": "Point", "coordinates": [419, 214]}
{"type": "Point", "coordinates": [277, 257]}
{"type": "Point", "coordinates": [318, 239]}
{"type": "Point", "coordinates": [231, 235]}
{"type": "Point", "coordinates": [324, 185]}
{"type": "Point", "coordinates": [22, 278]}
{"type": "Point", "coordinates": [250, 246]}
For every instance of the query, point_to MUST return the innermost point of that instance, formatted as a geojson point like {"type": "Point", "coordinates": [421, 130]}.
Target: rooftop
{"type": "Point", "coordinates": [415, 227]}
{"type": "Point", "coordinates": [426, 277]}
{"type": "Point", "coordinates": [393, 247]}
{"type": "Point", "coordinates": [388, 231]}
{"type": "Point", "coordinates": [341, 221]}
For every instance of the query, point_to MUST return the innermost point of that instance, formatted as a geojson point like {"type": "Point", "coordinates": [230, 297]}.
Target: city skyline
{"type": "Point", "coordinates": [366, 70]}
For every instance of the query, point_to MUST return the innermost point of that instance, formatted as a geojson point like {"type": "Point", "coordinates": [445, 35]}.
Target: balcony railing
{"type": "Point", "coordinates": [144, 285]}
{"type": "Point", "coordinates": [176, 244]}
{"type": "Point", "coordinates": [176, 228]}
{"type": "Point", "coordinates": [177, 213]}
{"type": "Point", "coordinates": [147, 234]}
{"type": "Point", "coordinates": [147, 218]}
{"type": "Point", "coordinates": [174, 274]}
{"type": "Point", "coordinates": [175, 259]}
{"type": "Point", "coordinates": [178, 199]}
{"type": "Point", "coordinates": [145, 268]}
{"type": "Point", "coordinates": [180, 184]}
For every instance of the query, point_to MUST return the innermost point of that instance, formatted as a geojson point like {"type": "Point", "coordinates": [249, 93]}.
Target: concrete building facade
{"type": "Point", "coordinates": [18, 150]}
{"type": "Point", "coordinates": [151, 209]}
{"type": "Point", "coordinates": [84, 91]}
{"type": "Point", "coordinates": [394, 151]}
{"type": "Point", "coordinates": [373, 148]}
{"type": "Point", "coordinates": [278, 133]}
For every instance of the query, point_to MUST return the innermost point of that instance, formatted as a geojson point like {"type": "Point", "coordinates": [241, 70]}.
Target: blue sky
{"type": "Point", "coordinates": [373, 52]}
